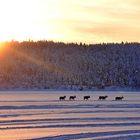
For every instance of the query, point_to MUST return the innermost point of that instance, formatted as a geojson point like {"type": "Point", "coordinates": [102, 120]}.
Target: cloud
{"type": "Point", "coordinates": [105, 20]}
{"type": "Point", "coordinates": [109, 32]}
{"type": "Point", "coordinates": [117, 10]}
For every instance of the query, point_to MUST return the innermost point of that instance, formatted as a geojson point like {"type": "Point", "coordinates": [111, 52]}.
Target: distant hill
{"type": "Point", "coordinates": [50, 65]}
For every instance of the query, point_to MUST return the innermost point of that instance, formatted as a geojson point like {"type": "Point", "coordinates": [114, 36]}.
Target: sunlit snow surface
{"type": "Point", "coordinates": [41, 116]}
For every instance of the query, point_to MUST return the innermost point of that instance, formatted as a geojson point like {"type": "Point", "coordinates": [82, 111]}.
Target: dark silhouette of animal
{"type": "Point", "coordinates": [119, 98]}
{"type": "Point", "coordinates": [86, 97]}
{"type": "Point", "coordinates": [62, 97]}
{"type": "Point", "coordinates": [72, 97]}
{"type": "Point", "coordinates": [102, 97]}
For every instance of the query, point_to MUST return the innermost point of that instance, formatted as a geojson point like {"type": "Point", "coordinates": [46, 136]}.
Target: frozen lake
{"type": "Point", "coordinates": [40, 115]}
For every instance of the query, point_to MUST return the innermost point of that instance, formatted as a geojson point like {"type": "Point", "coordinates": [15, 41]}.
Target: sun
{"type": "Point", "coordinates": [16, 20]}
{"type": "Point", "coordinates": [24, 19]}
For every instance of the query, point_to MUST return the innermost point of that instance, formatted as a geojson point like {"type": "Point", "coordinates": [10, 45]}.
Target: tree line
{"type": "Point", "coordinates": [49, 65]}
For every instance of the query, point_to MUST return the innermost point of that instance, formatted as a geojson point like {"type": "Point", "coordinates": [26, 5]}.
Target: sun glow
{"type": "Point", "coordinates": [89, 21]}
{"type": "Point", "coordinates": [24, 19]}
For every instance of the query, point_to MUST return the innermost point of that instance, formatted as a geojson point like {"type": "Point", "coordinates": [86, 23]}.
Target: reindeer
{"type": "Point", "coordinates": [119, 98]}
{"type": "Point", "coordinates": [62, 98]}
{"type": "Point", "coordinates": [86, 97]}
{"type": "Point", "coordinates": [72, 97]}
{"type": "Point", "coordinates": [102, 97]}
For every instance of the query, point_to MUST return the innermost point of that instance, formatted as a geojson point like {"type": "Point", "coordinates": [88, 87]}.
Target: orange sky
{"type": "Point", "coordinates": [90, 21]}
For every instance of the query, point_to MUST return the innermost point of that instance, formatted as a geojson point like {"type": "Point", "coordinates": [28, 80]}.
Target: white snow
{"type": "Point", "coordinates": [41, 116]}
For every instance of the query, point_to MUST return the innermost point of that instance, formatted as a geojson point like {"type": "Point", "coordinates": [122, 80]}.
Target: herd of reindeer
{"type": "Point", "coordinates": [88, 97]}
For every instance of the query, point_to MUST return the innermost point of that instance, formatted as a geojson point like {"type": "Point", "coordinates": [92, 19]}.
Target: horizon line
{"type": "Point", "coordinates": [69, 42]}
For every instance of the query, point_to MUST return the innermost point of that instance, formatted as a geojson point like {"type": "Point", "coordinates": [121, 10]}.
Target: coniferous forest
{"type": "Point", "coordinates": [56, 65]}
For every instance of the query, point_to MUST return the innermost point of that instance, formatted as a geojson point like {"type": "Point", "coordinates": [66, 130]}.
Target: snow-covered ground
{"type": "Point", "coordinates": [41, 116]}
